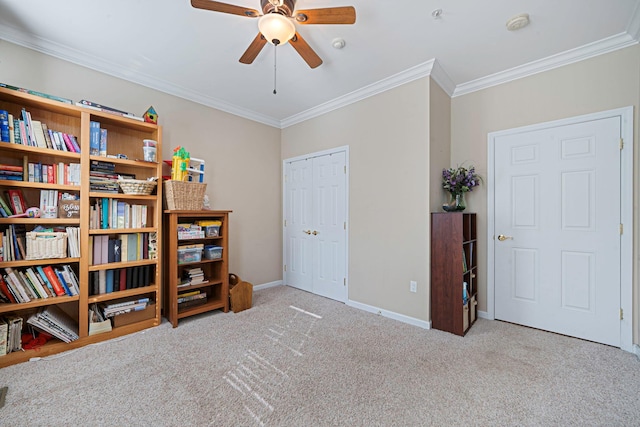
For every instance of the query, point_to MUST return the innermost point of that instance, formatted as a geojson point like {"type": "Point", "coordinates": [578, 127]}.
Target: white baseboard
{"type": "Point", "coordinates": [484, 315]}
{"type": "Point", "coordinates": [267, 285]}
{"type": "Point", "coordinates": [390, 314]}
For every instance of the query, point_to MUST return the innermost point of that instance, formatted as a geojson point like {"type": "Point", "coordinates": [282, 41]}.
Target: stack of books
{"type": "Point", "coordinates": [193, 276]}
{"type": "Point", "coordinates": [115, 309]}
{"type": "Point", "coordinates": [102, 176]}
{"type": "Point", "coordinates": [189, 299]}
{"type": "Point", "coordinates": [54, 321]}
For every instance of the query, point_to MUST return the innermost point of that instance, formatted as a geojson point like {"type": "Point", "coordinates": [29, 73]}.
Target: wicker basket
{"type": "Point", "coordinates": [184, 195]}
{"type": "Point", "coordinates": [137, 186]}
{"type": "Point", "coordinates": [46, 245]}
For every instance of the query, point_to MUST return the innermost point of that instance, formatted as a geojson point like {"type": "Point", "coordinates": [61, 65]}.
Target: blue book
{"type": "Point", "coordinates": [4, 126]}
{"type": "Point", "coordinates": [63, 282]}
{"type": "Point", "coordinates": [45, 279]}
{"type": "Point", "coordinates": [105, 213]}
{"type": "Point", "coordinates": [109, 281]}
{"type": "Point", "coordinates": [74, 142]}
{"type": "Point", "coordinates": [103, 142]}
{"type": "Point", "coordinates": [94, 138]}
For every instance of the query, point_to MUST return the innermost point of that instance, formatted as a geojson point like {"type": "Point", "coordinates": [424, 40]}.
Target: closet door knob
{"type": "Point", "coordinates": [306, 231]}
{"type": "Point", "coordinates": [315, 233]}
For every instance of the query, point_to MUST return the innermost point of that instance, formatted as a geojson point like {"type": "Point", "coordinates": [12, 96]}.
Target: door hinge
{"type": "Point", "coordinates": [345, 225]}
{"type": "Point", "coordinates": [285, 222]}
{"type": "Point", "coordinates": [621, 314]}
{"type": "Point", "coordinates": [621, 229]}
{"type": "Point", "coordinates": [345, 169]}
{"type": "Point", "coordinates": [344, 281]}
{"type": "Point", "coordinates": [621, 143]}
{"type": "Point", "coordinates": [285, 267]}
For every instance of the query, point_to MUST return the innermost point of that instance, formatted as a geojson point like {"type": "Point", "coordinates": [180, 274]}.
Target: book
{"type": "Point", "coordinates": [103, 142]}
{"type": "Point", "coordinates": [4, 126]}
{"type": "Point", "coordinates": [14, 337]}
{"type": "Point", "coordinates": [109, 281]}
{"type": "Point", "coordinates": [98, 107]}
{"type": "Point", "coordinates": [16, 199]}
{"type": "Point", "coordinates": [63, 281]}
{"type": "Point", "coordinates": [53, 279]}
{"type": "Point", "coordinates": [36, 93]}
{"type": "Point", "coordinates": [4, 335]}
{"type": "Point", "coordinates": [46, 281]}
{"type": "Point", "coordinates": [4, 288]}
{"type": "Point", "coordinates": [94, 138]}
{"type": "Point", "coordinates": [5, 206]}
{"type": "Point", "coordinates": [38, 133]}
{"type": "Point", "coordinates": [123, 279]}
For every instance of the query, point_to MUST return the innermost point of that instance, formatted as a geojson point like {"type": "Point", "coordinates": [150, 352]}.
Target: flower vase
{"type": "Point", "coordinates": [456, 203]}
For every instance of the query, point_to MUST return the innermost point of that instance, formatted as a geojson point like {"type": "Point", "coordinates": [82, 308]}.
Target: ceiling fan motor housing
{"type": "Point", "coordinates": [285, 9]}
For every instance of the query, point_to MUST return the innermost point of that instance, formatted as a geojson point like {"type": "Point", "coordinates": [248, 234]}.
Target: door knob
{"type": "Point", "coordinates": [306, 231]}
{"type": "Point", "coordinates": [315, 233]}
{"type": "Point", "coordinates": [502, 237]}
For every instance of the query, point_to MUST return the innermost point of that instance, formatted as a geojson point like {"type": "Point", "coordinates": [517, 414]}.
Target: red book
{"type": "Point", "coordinates": [11, 168]}
{"type": "Point", "coordinates": [5, 290]}
{"type": "Point", "coordinates": [50, 176]}
{"type": "Point", "coordinates": [53, 279]}
{"type": "Point", "coordinates": [123, 279]}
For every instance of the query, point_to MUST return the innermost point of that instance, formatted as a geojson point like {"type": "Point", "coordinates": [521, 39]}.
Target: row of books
{"type": "Point", "coordinates": [120, 279]}
{"type": "Point", "coordinates": [13, 203]}
{"type": "Point", "coordinates": [109, 213]}
{"type": "Point", "coordinates": [115, 309]}
{"type": "Point", "coordinates": [103, 176]}
{"type": "Point", "coordinates": [34, 133]}
{"type": "Point", "coordinates": [97, 139]}
{"type": "Point", "coordinates": [123, 247]}
{"type": "Point", "coordinates": [10, 334]}
{"type": "Point", "coordinates": [39, 282]}
{"type": "Point", "coordinates": [13, 241]}
{"type": "Point", "coordinates": [59, 173]}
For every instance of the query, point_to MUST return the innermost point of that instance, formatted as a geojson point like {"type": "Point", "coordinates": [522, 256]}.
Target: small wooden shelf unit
{"type": "Point", "coordinates": [453, 263]}
{"type": "Point", "coordinates": [216, 271]}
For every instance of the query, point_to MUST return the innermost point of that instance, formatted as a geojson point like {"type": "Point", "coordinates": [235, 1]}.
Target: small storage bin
{"type": "Point", "coordinates": [189, 255]}
{"type": "Point", "coordinates": [212, 231]}
{"type": "Point", "coordinates": [212, 252]}
{"type": "Point", "coordinates": [46, 245]}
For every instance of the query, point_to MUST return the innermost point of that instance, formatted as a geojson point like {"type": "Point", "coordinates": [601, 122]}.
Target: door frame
{"type": "Point", "coordinates": [626, 211]}
{"type": "Point", "coordinates": [345, 149]}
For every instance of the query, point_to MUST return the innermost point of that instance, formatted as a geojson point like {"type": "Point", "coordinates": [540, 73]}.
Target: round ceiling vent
{"type": "Point", "coordinates": [518, 21]}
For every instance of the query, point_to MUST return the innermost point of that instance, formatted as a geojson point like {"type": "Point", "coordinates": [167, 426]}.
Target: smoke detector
{"type": "Point", "coordinates": [518, 21]}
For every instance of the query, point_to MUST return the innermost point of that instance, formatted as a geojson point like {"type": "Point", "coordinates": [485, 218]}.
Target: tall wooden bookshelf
{"type": "Point", "coordinates": [453, 264]}
{"type": "Point", "coordinates": [216, 271]}
{"type": "Point", "coordinates": [125, 137]}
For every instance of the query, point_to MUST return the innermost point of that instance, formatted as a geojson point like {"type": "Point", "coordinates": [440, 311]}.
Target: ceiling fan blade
{"type": "Point", "coordinates": [303, 48]}
{"type": "Point", "coordinates": [329, 15]}
{"type": "Point", "coordinates": [217, 6]}
{"type": "Point", "coordinates": [253, 50]}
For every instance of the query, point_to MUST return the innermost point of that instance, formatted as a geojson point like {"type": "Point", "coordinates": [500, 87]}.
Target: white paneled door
{"type": "Point", "coordinates": [315, 224]}
{"type": "Point", "coordinates": [557, 248]}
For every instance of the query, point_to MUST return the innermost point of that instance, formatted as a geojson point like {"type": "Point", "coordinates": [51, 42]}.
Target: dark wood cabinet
{"type": "Point", "coordinates": [453, 269]}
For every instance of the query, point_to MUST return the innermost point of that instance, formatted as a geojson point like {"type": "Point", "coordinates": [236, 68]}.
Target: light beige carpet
{"type": "Point", "coordinates": [296, 359]}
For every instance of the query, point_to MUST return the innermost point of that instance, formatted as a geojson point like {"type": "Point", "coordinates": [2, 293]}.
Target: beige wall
{"type": "Point", "coordinates": [243, 157]}
{"type": "Point", "coordinates": [387, 135]}
{"type": "Point", "coordinates": [598, 84]}
{"type": "Point", "coordinates": [439, 143]}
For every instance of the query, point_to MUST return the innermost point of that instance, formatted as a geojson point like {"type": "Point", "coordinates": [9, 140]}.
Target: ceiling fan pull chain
{"type": "Point", "coordinates": [275, 67]}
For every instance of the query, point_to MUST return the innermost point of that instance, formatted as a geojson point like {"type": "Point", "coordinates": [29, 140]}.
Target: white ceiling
{"type": "Point", "coordinates": [170, 46]}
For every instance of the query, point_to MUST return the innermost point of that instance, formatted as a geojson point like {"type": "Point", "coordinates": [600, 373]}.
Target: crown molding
{"type": "Point", "coordinates": [89, 61]}
{"type": "Point", "coordinates": [411, 74]}
{"type": "Point", "coordinates": [633, 28]}
{"type": "Point", "coordinates": [590, 50]}
{"type": "Point", "coordinates": [440, 76]}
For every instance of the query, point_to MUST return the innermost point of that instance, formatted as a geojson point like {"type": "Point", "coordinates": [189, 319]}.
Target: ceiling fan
{"type": "Point", "coordinates": [276, 24]}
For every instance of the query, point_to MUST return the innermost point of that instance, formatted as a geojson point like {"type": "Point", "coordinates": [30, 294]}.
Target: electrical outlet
{"type": "Point", "coordinates": [413, 286]}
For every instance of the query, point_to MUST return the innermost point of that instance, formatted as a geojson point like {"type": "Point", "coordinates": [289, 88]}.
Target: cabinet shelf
{"type": "Point", "coordinates": [124, 136]}
{"type": "Point", "coordinates": [215, 271]}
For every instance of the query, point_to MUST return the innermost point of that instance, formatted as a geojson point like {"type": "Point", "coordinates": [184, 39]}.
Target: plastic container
{"type": "Point", "coordinates": [149, 150]}
{"type": "Point", "coordinates": [189, 255]}
{"type": "Point", "coordinates": [212, 230]}
{"type": "Point", "coordinates": [212, 252]}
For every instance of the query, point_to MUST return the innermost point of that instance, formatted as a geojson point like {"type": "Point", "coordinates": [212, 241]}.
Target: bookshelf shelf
{"type": "Point", "coordinates": [216, 271]}
{"type": "Point", "coordinates": [125, 138]}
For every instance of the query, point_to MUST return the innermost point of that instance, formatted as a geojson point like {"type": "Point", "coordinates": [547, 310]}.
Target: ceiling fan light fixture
{"type": "Point", "coordinates": [276, 28]}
